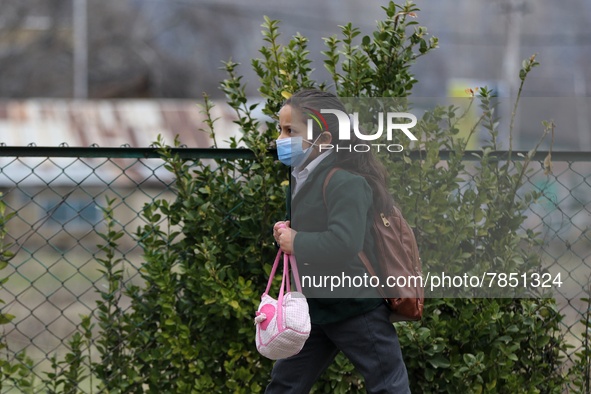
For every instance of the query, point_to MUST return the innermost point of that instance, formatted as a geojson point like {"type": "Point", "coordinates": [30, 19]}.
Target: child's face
{"type": "Point", "coordinates": [291, 124]}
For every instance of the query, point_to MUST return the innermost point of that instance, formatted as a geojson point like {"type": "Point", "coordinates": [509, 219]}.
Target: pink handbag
{"type": "Point", "coordinates": [282, 325]}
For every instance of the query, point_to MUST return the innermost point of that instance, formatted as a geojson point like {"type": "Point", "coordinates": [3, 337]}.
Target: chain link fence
{"type": "Point", "coordinates": [57, 195]}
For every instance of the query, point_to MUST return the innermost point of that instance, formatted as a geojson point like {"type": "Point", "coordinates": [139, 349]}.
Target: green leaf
{"type": "Point", "coordinates": [439, 361]}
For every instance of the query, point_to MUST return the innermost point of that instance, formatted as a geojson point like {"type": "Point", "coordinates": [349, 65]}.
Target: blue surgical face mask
{"type": "Point", "coordinates": [290, 152]}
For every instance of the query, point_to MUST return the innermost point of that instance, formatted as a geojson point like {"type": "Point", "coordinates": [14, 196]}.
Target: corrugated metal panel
{"type": "Point", "coordinates": [108, 123]}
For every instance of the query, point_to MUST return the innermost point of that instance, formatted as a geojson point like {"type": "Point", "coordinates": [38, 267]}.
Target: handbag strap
{"type": "Point", "coordinates": [296, 274]}
{"type": "Point", "coordinates": [284, 282]}
{"type": "Point", "coordinates": [294, 268]}
{"type": "Point", "coordinates": [273, 272]}
{"type": "Point", "coordinates": [286, 278]}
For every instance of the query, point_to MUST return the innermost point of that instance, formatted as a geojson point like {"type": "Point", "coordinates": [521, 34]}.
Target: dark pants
{"type": "Point", "coordinates": [368, 340]}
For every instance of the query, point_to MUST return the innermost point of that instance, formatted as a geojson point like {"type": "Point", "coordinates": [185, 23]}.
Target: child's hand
{"type": "Point", "coordinates": [284, 236]}
{"type": "Point", "coordinates": [276, 228]}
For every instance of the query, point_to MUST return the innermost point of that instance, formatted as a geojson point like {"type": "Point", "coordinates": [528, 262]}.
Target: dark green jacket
{"type": "Point", "coordinates": [328, 240]}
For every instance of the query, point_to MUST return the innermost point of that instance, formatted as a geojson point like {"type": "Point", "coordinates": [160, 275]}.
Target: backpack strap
{"type": "Point", "coordinates": [326, 180]}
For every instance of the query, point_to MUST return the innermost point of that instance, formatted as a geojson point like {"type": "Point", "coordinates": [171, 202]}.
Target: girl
{"type": "Point", "coordinates": [327, 229]}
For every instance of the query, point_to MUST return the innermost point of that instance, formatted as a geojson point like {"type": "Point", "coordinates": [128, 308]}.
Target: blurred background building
{"type": "Point", "coordinates": [173, 49]}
